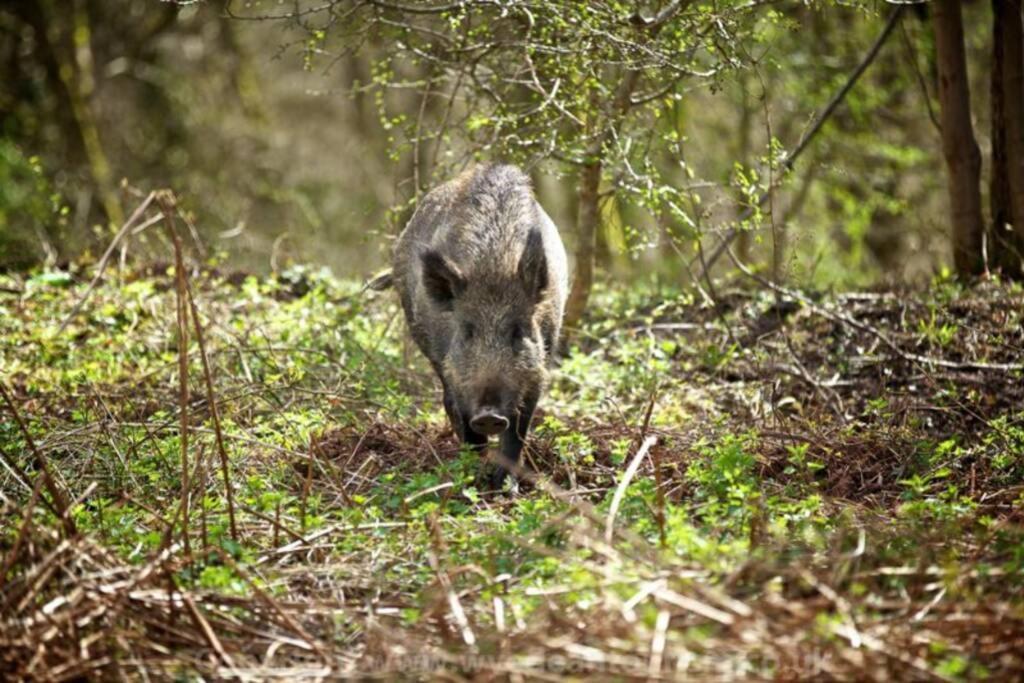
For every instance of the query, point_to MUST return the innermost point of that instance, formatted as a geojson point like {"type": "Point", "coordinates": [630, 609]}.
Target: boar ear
{"type": "Point", "coordinates": [533, 266]}
{"type": "Point", "coordinates": [441, 279]}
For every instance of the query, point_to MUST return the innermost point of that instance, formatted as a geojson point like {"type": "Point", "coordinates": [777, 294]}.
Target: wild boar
{"type": "Point", "coordinates": [482, 276]}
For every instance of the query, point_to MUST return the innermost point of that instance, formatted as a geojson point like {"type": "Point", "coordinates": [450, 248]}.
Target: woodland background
{"type": "Point", "coordinates": [298, 133]}
{"type": "Point", "coordinates": [785, 437]}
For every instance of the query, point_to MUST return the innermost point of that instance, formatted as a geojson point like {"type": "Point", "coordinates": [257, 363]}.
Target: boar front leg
{"type": "Point", "coordinates": [477, 441]}
{"type": "Point", "coordinates": [460, 424]}
{"type": "Point", "coordinates": [512, 441]}
{"type": "Point", "coordinates": [453, 415]}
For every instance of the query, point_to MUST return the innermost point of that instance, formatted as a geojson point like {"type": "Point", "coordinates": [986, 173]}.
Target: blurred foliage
{"type": "Point", "coordinates": [177, 95]}
{"type": "Point", "coordinates": [305, 132]}
{"type": "Point", "coordinates": [31, 212]}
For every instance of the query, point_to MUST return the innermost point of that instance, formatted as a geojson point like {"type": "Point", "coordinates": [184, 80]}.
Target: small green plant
{"type": "Point", "coordinates": [716, 357]}
{"type": "Point", "coordinates": [941, 335]}
{"type": "Point", "coordinates": [726, 487]}
{"type": "Point", "coordinates": [799, 461]}
{"type": "Point", "coordinates": [1005, 440]}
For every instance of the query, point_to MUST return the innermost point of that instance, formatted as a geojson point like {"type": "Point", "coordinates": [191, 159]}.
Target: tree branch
{"type": "Point", "coordinates": [787, 164]}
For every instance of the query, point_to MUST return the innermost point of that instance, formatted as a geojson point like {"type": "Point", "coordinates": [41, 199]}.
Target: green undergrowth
{"type": "Point", "coordinates": [798, 463]}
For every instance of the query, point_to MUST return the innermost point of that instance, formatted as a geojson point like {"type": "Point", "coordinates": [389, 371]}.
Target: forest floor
{"type": "Point", "coordinates": [790, 484]}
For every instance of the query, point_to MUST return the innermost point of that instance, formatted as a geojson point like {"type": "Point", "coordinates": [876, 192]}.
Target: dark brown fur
{"type": "Point", "coordinates": [481, 272]}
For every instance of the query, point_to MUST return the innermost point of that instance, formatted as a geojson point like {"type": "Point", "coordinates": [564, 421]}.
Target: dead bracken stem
{"type": "Point", "coordinates": [659, 493]}
{"type": "Point", "coordinates": [208, 634]}
{"type": "Point", "coordinates": [444, 579]}
{"type": "Point", "coordinates": [307, 484]}
{"type": "Point", "coordinates": [26, 524]}
{"type": "Point", "coordinates": [187, 308]}
{"type": "Point", "coordinates": [211, 398]}
{"type": "Point", "coordinates": [268, 600]}
{"type": "Point", "coordinates": [59, 503]}
{"type": "Point", "coordinates": [277, 524]}
{"type": "Point", "coordinates": [201, 476]}
{"type": "Point", "coordinates": [166, 201]}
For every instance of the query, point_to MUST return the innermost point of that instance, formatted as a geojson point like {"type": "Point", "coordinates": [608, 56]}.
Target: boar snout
{"type": "Point", "coordinates": [489, 413]}
{"type": "Point", "coordinates": [488, 423]}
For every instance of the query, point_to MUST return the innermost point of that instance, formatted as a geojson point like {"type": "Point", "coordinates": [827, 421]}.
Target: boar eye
{"type": "Point", "coordinates": [468, 330]}
{"type": "Point", "coordinates": [516, 333]}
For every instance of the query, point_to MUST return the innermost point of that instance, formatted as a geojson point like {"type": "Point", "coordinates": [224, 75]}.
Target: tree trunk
{"type": "Point", "coordinates": [742, 155]}
{"type": "Point", "coordinates": [959, 147]}
{"type": "Point", "coordinates": [588, 218]}
{"type": "Point", "coordinates": [32, 13]}
{"type": "Point", "coordinates": [999, 180]}
{"type": "Point", "coordinates": [1008, 13]}
{"type": "Point", "coordinates": [77, 72]}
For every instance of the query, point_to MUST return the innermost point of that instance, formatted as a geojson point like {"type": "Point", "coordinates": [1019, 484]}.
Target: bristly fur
{"type": "Point", "coordinates": [482, 276]}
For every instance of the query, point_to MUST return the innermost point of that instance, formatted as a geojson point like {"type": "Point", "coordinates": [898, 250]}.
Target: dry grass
{"type": "Point", "coordinates": [865, 525]}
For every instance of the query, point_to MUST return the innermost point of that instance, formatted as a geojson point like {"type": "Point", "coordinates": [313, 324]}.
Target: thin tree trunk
{"type": "Point", "coordinates": [999, 179]}
{"type": "Point", "coordinates": [963, 158]}
{"type": "Point", "coordinates": [588, 218]}
{"type": "Point", "coordinates": [779, 242]}
{"type": "Point", "coordinates": [743, 156]}
{"type": "Point", "coordinates": [78, 75]}
{"type": "Point", "coordinates": [35, 16]}
{"type": "Point", "coordinates": [603, 257]}
{"type": "Point", "coordinates": [1013, 129]}
{"type": "Point", "coordinates": [244, 83]}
